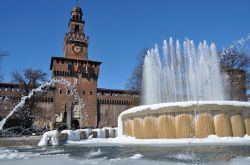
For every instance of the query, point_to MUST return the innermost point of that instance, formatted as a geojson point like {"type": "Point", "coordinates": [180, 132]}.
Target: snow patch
{"type": "Point", "coordinates": [136, 156]}
{"type": "Point", "coordinates": [87, 131]}
{"type": "Point", "coordinates": [49, 137]}
{"type": "Point", "coordinates": [183, 156]}
{"type": "Point", "coordinates": [100, 132]}
{"type": "Point", "coordinates": [72, 135]}
{"type": "Point", "coordinates": [124, 140]}
{"type": "Point", "coordinates": [111, 131]}
{"type": "Point", "coordinates": [94, 153]}
{"type": "Point", "coordinates": [13, 154]}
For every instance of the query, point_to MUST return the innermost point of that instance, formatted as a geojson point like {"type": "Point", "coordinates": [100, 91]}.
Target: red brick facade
{"type": "Point", "coordinates": [102, 106]}
{"type": "Point", "coordinates": [81, 72]}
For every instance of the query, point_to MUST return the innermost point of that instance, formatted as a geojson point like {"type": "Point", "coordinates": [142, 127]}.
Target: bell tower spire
{"type": "Point", "coordinates": [75, 41]}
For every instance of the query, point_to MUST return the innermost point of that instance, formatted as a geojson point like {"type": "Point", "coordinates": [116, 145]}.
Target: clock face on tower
{"type": "Point", "coordinates": [77, 49]}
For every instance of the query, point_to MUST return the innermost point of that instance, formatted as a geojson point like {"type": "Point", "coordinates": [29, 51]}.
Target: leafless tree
{"type": "Point", "coordinates": [236, 63]}
{"type": "Point", "coordinates": [232, 58]}
{"type": "Point", "coordinates": [135, 80]}
{"type": "Point", "coordinates": [28, 80]}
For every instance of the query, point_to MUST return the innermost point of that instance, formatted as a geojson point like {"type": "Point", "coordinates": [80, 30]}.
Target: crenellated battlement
{"type": "Point", "coordinates": [63, 67]}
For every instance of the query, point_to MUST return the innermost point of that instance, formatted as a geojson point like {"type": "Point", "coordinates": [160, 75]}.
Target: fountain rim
{"type": "Point", "coordinates": [187, 106]}
{"type": "Point", "coordinates": [184, 106]}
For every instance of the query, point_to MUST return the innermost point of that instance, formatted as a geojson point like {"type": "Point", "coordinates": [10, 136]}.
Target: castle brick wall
{"type": "Point", "coordinates": [110, 103]}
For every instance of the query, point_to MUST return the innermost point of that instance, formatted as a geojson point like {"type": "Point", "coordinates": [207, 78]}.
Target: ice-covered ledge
{"type": "Point", "coordinates": [124, 140]}
{"type": "Point", "coordinates": [187, 106]}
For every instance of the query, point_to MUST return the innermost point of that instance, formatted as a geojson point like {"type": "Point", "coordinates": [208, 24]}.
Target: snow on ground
{"type": "Point", "coordinates": [136, 156]}
{"type": "Point", "coordinates": [210, 140]}
{"type": "Point", "coordinates": [65, 160]}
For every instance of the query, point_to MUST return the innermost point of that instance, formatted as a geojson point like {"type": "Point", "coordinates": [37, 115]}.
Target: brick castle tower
{"type": "Point", "coordinates": [102, 106]}
{"type": "Point", "coordinates": [80, 71]}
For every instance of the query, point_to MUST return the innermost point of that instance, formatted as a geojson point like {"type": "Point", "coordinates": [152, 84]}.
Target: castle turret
{"type": "Point", "coordinates": [75, 41]}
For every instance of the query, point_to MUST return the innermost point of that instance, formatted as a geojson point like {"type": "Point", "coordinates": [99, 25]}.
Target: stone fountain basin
{"type": "Point", "coordinates": [187, 106]}
{"type": "Point", "coordinates": [225, 118]}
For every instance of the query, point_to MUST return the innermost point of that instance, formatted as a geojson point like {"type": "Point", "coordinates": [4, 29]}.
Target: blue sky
{"type": "Point", "coordinates": [33, 30]}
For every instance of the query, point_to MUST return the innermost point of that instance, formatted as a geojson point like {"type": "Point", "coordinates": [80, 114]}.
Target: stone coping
{"type": "Point", "coordinates": [19, 141]}
{"type": "Point", "coordinates": [186, 107]}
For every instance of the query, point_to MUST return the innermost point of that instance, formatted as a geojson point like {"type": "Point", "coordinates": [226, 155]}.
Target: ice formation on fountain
{"type": "Point", "coordinates": [77, 136]}
{"type": "Point", "coordinates": [49, 137]}
{"type": "Point", "coordinates": [184, 74]}
{"type": "Point", "coordinates": [40, 88]}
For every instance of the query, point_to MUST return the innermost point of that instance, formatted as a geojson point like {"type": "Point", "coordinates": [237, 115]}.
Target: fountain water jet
{"type": "Point", "coordinates": [189, 80]}
{"type": "Point", "coordinates": [185, 74]}
{"type": "Point", "coordinates": [40, 88]}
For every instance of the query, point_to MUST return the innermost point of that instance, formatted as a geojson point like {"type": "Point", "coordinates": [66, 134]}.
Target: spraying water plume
{"type": "Point", "coordinates": [186, 73]}
{"type": "Point", "coordinates": [40, 88]}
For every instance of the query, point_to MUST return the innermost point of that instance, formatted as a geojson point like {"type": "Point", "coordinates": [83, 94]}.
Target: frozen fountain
{"type": "Point", "coordinates": [183, 97]}
{"type": "Point", "coordinates": [41, 87]}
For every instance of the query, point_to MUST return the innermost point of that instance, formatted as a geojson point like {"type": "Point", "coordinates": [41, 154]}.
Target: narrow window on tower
{"type": "Point", "coordinates": [76, 28]}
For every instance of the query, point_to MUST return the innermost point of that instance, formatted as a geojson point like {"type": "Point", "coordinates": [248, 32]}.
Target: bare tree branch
{"type": "Point", "coordinates": [232, 58]}
{"type": "Point", "coordinates": [236, 64]}
{"type": "Point", "coordinates": [29, 79]}
{"type": "Point", "coordinates": [135, 80]}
